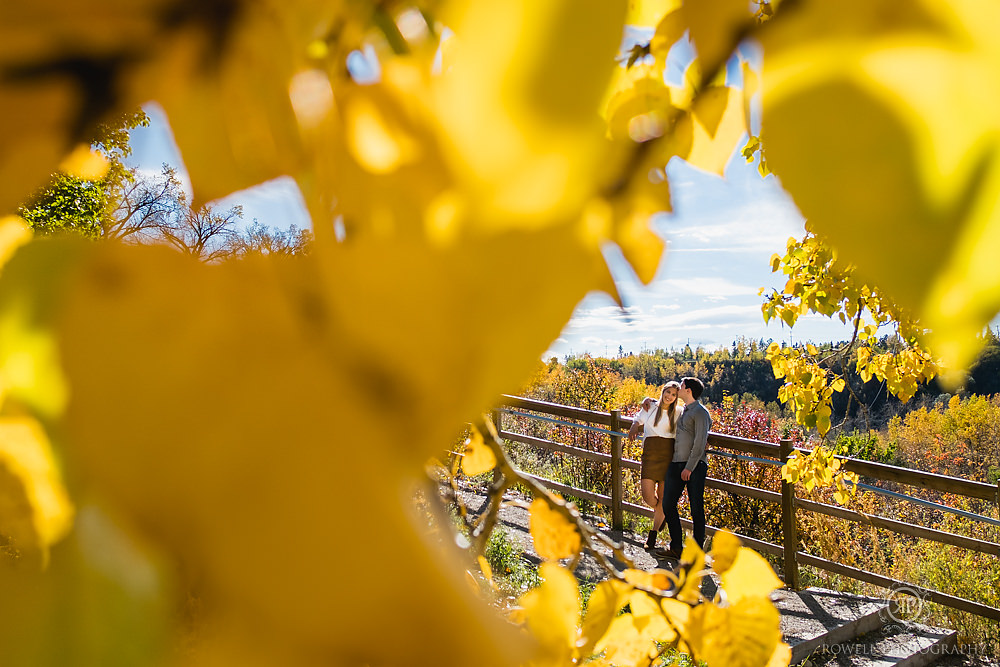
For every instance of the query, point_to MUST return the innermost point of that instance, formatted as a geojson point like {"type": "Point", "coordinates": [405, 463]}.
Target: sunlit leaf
{"type": "Point", "coordinates": [103, 600]}
{"type": "Point", "coordinates": [524, 137]}
{"type": "Point", "coordinates": [725, 548]}
{"type": "Point", "coordinates": [648, 13]}
{"type": "Point", "coordinates": [35, 510]}
{"type": "Point", "coordinates": [717, 129]}
{"type": "Point", "coordinates": [715, 28]}
{"type": "Point", "coordinates": [744, 634]}
{"type": "Point", "coordinates": [554, 536]}
{"type": "Point", "coordinates": [603, 606]}
{"type": "Point", "coordinates": [227, 454]}
{"type": "Point", "coordinates": [478, 458]}
{"type": "Point", "coordinates": [553, 609]}
{"type": "Point", "coordinates": [750, 576]}
{"type": "Point", "coordinates": [85, 163]}
{"type": "Point", "coordinates": [668, 31]}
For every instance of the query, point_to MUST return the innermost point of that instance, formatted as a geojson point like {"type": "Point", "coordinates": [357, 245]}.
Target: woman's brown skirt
{"type": "Point", "coordinates": [657, 453]}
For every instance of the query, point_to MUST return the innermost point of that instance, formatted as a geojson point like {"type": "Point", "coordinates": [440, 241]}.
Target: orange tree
{"type": "Point", "coordinates": [174, 428]}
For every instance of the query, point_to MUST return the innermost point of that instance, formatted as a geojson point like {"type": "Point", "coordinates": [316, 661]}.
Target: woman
{"type": "Point", "coordinates": [658, 422]}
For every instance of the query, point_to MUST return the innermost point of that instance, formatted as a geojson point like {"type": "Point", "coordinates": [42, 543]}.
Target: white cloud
{"type": "Point", "coordinates": [711, 287]}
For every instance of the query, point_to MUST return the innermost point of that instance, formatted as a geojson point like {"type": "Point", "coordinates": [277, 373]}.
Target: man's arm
{"type": "Point", "coordinates": [701, 421]}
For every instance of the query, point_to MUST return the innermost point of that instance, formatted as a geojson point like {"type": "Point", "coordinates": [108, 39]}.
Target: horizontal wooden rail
{"type": "Point", "coordinates": [755, 447]}
{"type": "Point", "coordinates": [556, 446]}
{"type": "Point", "coordinates": [743, 490]}
{"type": "Point", "coordinates": [920, 479]}
{"type": "Point", "coordinates": [567, 449]}
{"type": "Point", "coordinates": [899, 586]}
{"type": "Point", "coordinates": [901, 527]}
{"type": "Point", "coordinates": [558, 410]}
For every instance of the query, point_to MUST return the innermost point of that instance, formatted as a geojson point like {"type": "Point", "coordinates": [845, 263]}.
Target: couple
{"type": "Point", "coordinates": [674, 455]}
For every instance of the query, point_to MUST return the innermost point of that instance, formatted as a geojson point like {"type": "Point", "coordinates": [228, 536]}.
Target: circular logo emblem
{"type": "Point", "coordinates": [906, 604]}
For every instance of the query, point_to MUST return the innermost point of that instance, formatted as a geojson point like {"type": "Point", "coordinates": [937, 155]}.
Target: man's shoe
{"type": "Point", "coordinates": [664, 554]}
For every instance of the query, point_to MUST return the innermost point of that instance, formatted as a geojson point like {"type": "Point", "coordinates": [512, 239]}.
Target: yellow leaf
{"type": "Point", "coordinates": [36, 132]}
{"type": "Point", "coordinates": [35, 510]}
{"type": "Point", "coordinates": [678, 613]}
{"type": "Point", "coordinates": [484, 567]}
{"type": "Point", "coordinates": [646, 100]}
{"type": "Point", "coordinates": [104, 600]}
{"type": "Point", "coordinates": [744, 634]}
{"type": "Point", "coordinates": [692, 564]}
{"type": "Point", "coordinates": [782, 656]}
{"type": "Point", "coordinates": [554, 536]}
{"type": "Point", "coordinates": [605, 602]}
{"type": "Point", "coordinates": [642, 247]}
{"type": "Point", "coordinates": [211, 438]}
{"type": "Point", "coordinates": [750, 576]}
{"type": "Point", "coordinates": [648, 13]}
{"type": "Point", "coordinates": [85, 163]}
{"type": "Point", "coordinates": [553, 609]}
{"type": "Point", "coordinates": [668, 32]}
{"type": "Point", "coordinates": [14, 233]}
{"type": "Point", "coordinates": [715, 28]}
{"type": "Point", "coordinates": [751, 83]}
{"type": "Point", "coordinates": [234, 121]}
{"type": "Point", "coordinates": [718, 128]}
{"type": "Point", "coordinates": [523, 136]}
{"type": "Point", "coordinates": [623, 643]}
{"type": "Point", "coordinates": [373, 143]}
{"type": "Point", "coordinates": [478, 458]}
{"type": "Point", "coordinates": [32, 286]}
{"type": "Point", "coordinates": [725, 547]}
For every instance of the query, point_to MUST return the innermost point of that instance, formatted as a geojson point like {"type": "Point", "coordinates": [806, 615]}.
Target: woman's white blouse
{"type": "Point", "coordinates": [646, 417]}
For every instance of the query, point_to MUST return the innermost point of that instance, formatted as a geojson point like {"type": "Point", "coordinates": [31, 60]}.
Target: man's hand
{"type": "Point", "coordinates": [685, 474]}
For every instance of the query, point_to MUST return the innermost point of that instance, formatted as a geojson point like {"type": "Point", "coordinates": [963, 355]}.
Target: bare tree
{"type": "Point", "coordinates": [204, 233]}
{"type": "Point", "coordinates": [141, 207]}
{"type": "Point", "coordinates": [259, 239]}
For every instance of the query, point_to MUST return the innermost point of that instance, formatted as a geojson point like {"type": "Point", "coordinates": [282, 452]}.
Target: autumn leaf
{"type": "Point", "coordinates": [35, 510]}
{"type": "Point", "coordinates": [554, 536]}
{"type": "Point", "coordinates": [725, 548]}
{"type": "Point", "coordinates": [553, 610]}
{"type": "Point", "coordinates": [749, 576]}
{"type": "Point", "coordinates": [478, 458]}
{"type": "Point", "coordinates": [606, 600]}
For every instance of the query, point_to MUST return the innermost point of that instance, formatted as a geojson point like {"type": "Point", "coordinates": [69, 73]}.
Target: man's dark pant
{"type": "Point", "coordinates": [672, 489]}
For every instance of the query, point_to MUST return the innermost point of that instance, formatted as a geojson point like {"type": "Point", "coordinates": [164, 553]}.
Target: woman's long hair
{"type": "Point", "coordinates": [671, 409]}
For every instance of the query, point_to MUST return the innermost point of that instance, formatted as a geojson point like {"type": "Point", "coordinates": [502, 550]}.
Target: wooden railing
{"type": "Point", "coordinates": [614, 425]}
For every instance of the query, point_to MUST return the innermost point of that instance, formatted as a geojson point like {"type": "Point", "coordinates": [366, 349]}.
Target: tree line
{"type": "Point", "coordinates": [742, 370]}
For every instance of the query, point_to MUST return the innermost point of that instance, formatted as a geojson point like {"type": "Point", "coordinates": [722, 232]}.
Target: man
{"type": "Point", "coordinates": [688, 468]}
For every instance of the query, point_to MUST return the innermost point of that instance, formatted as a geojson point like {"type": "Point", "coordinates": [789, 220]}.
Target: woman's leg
{"type": "Point", "coordinates": [659, 518]}
{"type": "Point", "coordinates": [651, 496]}
{"type": "Point", "coordinates": [649, 492]}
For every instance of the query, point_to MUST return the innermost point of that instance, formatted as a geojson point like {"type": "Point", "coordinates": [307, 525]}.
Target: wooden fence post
{"type": "Point", "coordinates": [497, 414]}
{"type": "Point", "coordinates": [789, 536]}
{"type": "Point", "coordinates": [617, 508]}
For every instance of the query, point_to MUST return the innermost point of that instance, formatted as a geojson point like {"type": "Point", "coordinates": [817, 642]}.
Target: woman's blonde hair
{"type": "Point", "coordinates": [671, 409]}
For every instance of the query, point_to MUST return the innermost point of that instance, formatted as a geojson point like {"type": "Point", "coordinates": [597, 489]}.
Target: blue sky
{"type": "Point", "coordinates": [720, 238]}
